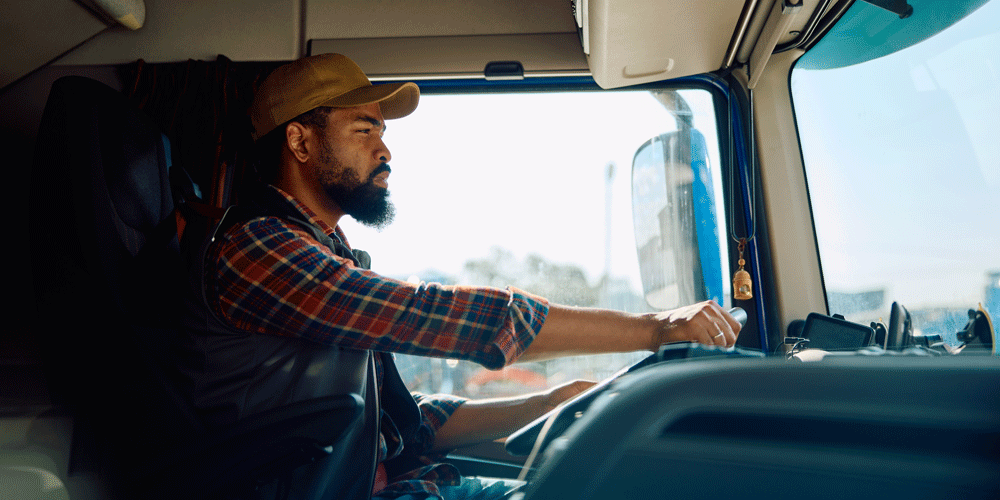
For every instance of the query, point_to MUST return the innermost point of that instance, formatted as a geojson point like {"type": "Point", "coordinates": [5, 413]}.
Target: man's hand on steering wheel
{"type": "Point", "coordinates": [555, 396]}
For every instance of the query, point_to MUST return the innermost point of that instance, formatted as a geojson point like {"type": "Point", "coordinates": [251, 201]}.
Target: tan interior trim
{"type": "Point", "coordinates": [783, 14]}
{"type": "Point", "coordinates": [795, 259]}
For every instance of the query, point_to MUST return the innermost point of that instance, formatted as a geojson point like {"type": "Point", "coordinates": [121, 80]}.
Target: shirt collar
{"type": "Point", "coordinates": [311, 216]}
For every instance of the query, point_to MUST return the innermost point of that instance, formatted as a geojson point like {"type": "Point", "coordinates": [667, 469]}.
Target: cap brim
{"type": "Point", "coordinates": [396, 100]}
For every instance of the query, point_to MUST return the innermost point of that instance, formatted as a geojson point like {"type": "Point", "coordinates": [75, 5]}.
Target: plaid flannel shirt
{"type": "Point", "coordinates": [273, 277]}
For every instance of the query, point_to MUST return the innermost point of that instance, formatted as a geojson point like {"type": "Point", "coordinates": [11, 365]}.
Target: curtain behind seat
{"type": "Point", "coordinates": [202, 106]}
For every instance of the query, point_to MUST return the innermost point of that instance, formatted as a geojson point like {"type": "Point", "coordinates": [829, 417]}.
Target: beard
{"type": "Point", "coordinates": [363, 201]}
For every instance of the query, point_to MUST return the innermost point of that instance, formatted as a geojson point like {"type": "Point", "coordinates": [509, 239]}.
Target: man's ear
{"type": "Point", "coordinates": [298, 140]}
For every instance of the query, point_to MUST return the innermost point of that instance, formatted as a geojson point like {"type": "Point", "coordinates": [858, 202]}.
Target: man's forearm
{"type": "Point", "coordinates": [572, 331]}
{"type": "Point", "coordinates": [477, 421]}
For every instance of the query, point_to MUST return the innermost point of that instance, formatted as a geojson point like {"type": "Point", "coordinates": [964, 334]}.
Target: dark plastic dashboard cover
{"type": "Point", "coordinates": [845, 427]}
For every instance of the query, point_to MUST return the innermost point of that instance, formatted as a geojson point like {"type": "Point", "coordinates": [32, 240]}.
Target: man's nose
{"type": "Point", "coordinates": [382, 151]}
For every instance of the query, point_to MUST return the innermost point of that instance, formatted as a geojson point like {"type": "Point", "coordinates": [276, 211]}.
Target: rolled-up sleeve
{"type": "Point", "coordinates": [274, 277]}
{"type": "Point", "coordinates": [434, 412]}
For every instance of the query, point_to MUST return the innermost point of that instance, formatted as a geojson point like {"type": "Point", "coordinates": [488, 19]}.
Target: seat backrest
{"type": "Point", "coordinates": [110, 282]}
{"type": "Point", "coordinates": [105, 253]}
{"type": "Point", "coordinates": [100, 192]}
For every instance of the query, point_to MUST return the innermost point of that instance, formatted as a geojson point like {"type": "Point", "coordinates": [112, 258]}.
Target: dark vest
{"type": "Point", "coordinates": [230, 374]}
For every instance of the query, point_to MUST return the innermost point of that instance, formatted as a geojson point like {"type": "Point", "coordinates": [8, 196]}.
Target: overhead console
{"type": "Point", "coordinates": [619, 42]}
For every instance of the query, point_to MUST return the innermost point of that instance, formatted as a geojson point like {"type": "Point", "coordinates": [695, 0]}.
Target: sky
{"type": "Point", "coordinates": [904, 166]}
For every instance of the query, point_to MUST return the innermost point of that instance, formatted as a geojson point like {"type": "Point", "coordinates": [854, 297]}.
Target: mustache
{"type": "Point", "coordinates": [384, 167]}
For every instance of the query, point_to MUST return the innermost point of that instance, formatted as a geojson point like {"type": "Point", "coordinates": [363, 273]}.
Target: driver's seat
{"type": "Point", "coordinates": [106, 263]}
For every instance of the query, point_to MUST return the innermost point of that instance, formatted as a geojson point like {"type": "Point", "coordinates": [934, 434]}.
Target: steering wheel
{"type": "Point", "coordinates": [523, 440]}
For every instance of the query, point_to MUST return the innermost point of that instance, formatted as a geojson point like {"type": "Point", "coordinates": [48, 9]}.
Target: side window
{"type": "Point", "coordinates": [529, 190]}
{"type": "Point", "coordinates": [901, 156]}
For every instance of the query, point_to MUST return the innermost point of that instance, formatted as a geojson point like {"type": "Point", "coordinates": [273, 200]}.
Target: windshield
{"type": "Point", "coordinates": [524, 189]}
{"type": "Point", "coordinates": [903, 166]}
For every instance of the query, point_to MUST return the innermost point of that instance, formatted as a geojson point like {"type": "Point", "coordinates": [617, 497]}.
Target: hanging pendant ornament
{"type": "Point", "coordinates": [742, 285]}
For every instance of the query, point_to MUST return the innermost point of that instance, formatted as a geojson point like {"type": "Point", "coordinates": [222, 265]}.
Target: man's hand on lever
{"type": "Point", "coordinates": [705, 323]}
{"type": "Point", "coordinates": [573, 331]}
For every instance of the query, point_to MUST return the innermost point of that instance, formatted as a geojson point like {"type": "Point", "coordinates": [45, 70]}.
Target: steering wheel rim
{"type": "Point", "coordinates": [522, 441]}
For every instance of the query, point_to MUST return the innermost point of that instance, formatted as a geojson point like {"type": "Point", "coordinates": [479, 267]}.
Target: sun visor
{"type": "Point", "coordinates": [653, 40]}
{"type": "Point", "coordinates": [416, 58]}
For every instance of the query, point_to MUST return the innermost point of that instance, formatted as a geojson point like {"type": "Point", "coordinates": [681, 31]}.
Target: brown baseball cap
{"type": "Point", "coordinates": [324, 80]}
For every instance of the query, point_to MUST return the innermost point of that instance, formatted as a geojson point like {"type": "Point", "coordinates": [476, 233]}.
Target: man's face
{"type": "Point", "coordinates": [353, 164]}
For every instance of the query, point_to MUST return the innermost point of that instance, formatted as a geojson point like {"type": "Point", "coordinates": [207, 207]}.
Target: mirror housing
{"type": "Point", "coordinates": [676, 228]}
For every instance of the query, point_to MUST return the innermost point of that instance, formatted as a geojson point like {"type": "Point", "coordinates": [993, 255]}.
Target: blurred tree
{"type": "Point", "coordinates": [560, 283]}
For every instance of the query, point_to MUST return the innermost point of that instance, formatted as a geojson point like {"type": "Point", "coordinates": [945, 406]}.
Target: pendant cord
{"type": "Point", "coordinates": [752, 230]}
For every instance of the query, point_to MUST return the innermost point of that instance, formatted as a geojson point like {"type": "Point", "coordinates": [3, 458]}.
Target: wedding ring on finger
{"type": "Point", "coordinates": [717, 336]}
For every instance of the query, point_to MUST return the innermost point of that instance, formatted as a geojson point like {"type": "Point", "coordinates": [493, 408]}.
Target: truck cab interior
{"type": "Point", "coordinates": [828, 167]}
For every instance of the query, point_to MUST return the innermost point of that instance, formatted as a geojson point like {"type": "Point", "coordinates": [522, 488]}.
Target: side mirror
{"type": "Point", "coordinates": [676, 229]}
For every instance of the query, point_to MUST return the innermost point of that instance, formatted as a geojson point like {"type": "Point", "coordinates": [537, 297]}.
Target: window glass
{"type": "Point", "coordinates": [525, 189]}
{"type": "Point", "coordinates": [903, 166]}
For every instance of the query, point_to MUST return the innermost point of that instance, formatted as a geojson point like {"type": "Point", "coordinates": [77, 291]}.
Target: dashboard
{"type": "Point", "coordinates": [703, 422]}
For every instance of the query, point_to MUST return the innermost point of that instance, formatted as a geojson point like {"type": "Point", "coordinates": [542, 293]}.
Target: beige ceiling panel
{"type": "Point", "coordinates": [654, 40]}
{"type": "Point", "coordinates": [460, 56]}
{"type": "Point", "coordinates": [259, 30]}
{"type": "Point", "coordinates": [327, 19]}
{"type": "Point", "coordinates": [34, 33]}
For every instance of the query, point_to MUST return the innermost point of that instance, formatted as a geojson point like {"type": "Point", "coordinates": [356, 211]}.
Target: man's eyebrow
{"type": "Point", "coordinates": [374, 121]}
